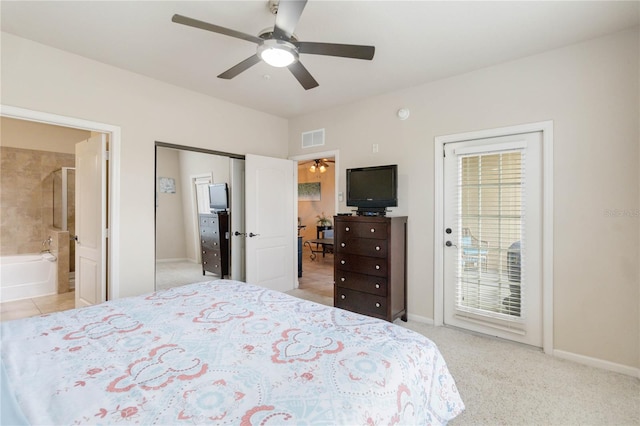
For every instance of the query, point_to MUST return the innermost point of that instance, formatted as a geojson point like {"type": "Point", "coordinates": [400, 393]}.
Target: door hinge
{"type": "Point", "coordinates": [105, 155]}
{"type": "Point", "coordinates": [106, 233]}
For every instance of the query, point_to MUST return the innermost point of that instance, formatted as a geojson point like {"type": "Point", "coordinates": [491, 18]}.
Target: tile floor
{"type": "Point", "coordinates": [315, 284]}
{"type": "Point", "coordinates": [37, 306]}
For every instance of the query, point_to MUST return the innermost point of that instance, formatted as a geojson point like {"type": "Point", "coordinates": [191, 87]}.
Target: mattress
{"type": "Point", "coordinates": [222, 352]}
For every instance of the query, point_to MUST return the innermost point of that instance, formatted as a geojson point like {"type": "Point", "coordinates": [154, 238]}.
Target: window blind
{"type": "Point", "coordinates": [491, 278]}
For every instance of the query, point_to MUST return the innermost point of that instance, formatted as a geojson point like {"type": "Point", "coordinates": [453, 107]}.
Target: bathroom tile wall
{"type": "Point", "coordinates": [26, 197]}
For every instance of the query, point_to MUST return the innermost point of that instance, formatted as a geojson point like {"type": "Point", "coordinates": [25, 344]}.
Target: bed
{"type": "Point", "coordinates": [221, 352]}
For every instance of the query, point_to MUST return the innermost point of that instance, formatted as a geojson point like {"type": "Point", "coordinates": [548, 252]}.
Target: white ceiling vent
{"type": "Point", "coordinates": [313, 138]}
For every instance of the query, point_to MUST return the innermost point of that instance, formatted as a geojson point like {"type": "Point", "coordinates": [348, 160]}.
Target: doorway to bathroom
{"type": "Point", "coordinates": [42, 146]}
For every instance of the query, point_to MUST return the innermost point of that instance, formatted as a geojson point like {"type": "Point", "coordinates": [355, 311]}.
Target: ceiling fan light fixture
{"type": "Point", "coordinates": [278, 53]}
{"type": "Point", "coordinates": [318, 165]}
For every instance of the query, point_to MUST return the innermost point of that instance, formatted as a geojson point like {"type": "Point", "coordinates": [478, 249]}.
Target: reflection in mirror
{"type": "Point", "coordinates": [193, 242]}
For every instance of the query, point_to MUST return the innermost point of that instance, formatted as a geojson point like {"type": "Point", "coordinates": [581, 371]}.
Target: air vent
{"type": "Point", "coordinates": [313, 138]}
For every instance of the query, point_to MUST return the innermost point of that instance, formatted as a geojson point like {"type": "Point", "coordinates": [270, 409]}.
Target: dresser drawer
{"type": "Point", "coordinates": [207, 232]}
{"type": "Point", "coordinates": [362, 264]}
{"type": "Point", "coordinates": [211, 260]}
{"type": "Point", "coordinates": [362, 303]}
{"type": "Point", "coordinates": [361, 282]}
{"type": "Point", "coordinates": [209, 221]}
{"type": "Point", "coordinates": [210, 244]}
{"type": "Point", "coordinates": [362, 246]}
{"type": "Point", "coordinates": [346, 230]}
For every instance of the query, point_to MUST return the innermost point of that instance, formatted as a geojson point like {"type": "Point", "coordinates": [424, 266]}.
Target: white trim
{"type": "Point", "coordinates": [483, 149]}
{"type": "Point", "coordinates": [176, 259]}
{"type": "Point", "coordinates": [324, 154]}
{"type": "Point", "coordinates": [598, 363]}
{"type": "Point", "coordinates": [420, 319]}
{"type": "Point", "coordinates": [113, 251]}
{"type": "Point", "coordinates": [546, 127]}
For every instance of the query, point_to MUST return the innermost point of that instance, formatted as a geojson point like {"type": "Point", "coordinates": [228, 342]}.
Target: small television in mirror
{"type": "Point", "coordinates": [372, 189]}
{"type": "Point", "coordinates": [218, 197]}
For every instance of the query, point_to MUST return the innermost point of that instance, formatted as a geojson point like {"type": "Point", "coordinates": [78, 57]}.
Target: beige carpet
{"type": "Point", "coordinates": [504, 383]}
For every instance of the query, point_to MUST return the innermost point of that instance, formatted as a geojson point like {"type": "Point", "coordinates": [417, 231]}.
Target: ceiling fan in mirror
{"type": "Point", "coordinates": [279, 46]}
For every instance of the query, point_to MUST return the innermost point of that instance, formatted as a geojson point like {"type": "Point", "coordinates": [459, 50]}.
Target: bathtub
{"type": "Point", "coordinates": [27, 275]}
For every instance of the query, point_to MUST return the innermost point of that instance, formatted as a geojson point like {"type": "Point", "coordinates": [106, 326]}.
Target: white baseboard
{"type": "Point", "coordinates": [598, 363]}
{"type": "Point", "coordinates": [179, 259]}
{"type": "Point", "coordinates": [421, 319]}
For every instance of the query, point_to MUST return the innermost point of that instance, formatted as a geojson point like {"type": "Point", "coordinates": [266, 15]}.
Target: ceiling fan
{"type": "Point", "coordinates": [321, 165]}
{"type": "Point", "coordinates": [279, 47]}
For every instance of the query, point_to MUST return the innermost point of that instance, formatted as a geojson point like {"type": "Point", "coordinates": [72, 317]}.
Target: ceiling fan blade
{"type": "Point", "coordinates": [331, 49]}
{"type": "Point", "coordinates": [289, 12]}
{"type": "Point", "coordinates": [179, 19]}
{"type": "Point", "coordinates": [303, 76]}
{"type": "Point", "coordinates": [242, 66]}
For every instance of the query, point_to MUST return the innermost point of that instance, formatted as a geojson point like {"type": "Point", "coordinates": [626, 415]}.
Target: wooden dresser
{"type": "Point", "coordinates": [214, 243]}
{"type": "Point", "coordinates": [370, 265]}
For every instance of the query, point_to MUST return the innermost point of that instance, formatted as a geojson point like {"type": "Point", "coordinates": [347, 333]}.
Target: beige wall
{"type": "Point", "coordinates": [170, 236]}
{"type": "Point", "coordinates": [41, 78]}
{"type": "Point", "coordinates": [591, 92]}
{"type": "Point", "coordinates": [39, 136]}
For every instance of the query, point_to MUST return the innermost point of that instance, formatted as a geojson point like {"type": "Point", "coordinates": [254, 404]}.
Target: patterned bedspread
{"type": "Point", "coordinates": [223, 352]}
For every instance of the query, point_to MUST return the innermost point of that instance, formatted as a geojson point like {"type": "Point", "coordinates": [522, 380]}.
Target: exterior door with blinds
{"type": "Point", "coordinates": [493, 236]}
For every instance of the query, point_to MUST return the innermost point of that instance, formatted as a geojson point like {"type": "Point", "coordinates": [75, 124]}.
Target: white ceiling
{"type": "Point", "coordinates": [416, 41]}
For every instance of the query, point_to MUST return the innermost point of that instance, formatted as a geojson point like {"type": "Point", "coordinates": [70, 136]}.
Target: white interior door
{"type": "Point", "coordinates": [270, 224]}
{"type": "Point", "coordinates": [91, 225]}
{"type": "Point", "coordinates": [493, 234]}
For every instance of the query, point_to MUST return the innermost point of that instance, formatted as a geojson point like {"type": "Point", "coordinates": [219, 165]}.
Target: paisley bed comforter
{"type": "Point", "coordinates": [223, 352]}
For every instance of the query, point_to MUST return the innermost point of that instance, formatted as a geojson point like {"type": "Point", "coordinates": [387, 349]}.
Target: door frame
{"type": "Point", "coordinates": [335, 154]}
{"type": "Point", "coordinates": [113, 179]}
{"type": "Point", "coordinates": [546, 127]}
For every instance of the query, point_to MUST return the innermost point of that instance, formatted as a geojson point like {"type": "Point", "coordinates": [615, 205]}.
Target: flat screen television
{"type": "Point", "coordinates": [218, 197]}
{"type": "Point", "coordinates": [372, 189]}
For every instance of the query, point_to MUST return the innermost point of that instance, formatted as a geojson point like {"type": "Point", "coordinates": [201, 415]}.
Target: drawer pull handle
{"type": "Point", "coordinates": [343, 245]}
{"type": "Point", "coordinates": [343, 279]}
{"type": "Point", "coordinates": [373, 229]}
{"type": "Point", "coordinates": [377, 266]}
{"type": "Point", "coordinates": [377, 285]}
{"type": "Point", "coordinates": [202, 241]}
{"type": "Point", "coordinates": [203, 251]}
{"type": "Point", "coordinates": [342, 262]}
{"type": "Point", "coordinates": [377, 305]}
{"type": "Point", "coordinates": [346, 229]}
{"type": "Point", "coordinates": [205, 262]}
{"type": "Point", "coordinates": [377, 248]}
{"type": "Point", "coordinates": [342, 296]}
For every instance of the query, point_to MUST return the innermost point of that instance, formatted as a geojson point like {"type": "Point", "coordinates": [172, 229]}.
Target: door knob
{"type": "Point", "coordinates": [237, 234]}
{"type": "Point", "coordinates": [251, 235]}
{"type": "Point", "coordinates": [448, 230]}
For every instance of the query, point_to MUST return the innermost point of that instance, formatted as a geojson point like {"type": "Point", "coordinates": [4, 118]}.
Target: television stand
{"type": "Point", "coordinates": [372, 211]}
